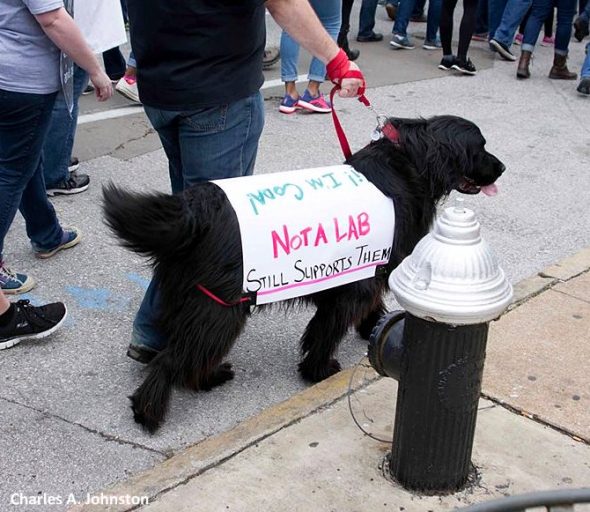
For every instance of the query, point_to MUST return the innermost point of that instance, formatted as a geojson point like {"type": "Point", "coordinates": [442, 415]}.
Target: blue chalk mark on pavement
{"type": "Point", "coordinates": [137, 279]}
{"type": "Point", "coordinates": [99, 299]}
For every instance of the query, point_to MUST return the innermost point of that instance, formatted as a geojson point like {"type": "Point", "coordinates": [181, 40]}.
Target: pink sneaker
{"type": "Point", "coordinates": [548, 41]}
{"type": "Point", "coordinates": [317, 104]}
{"type": "Point", "coordinates": [518, 39]}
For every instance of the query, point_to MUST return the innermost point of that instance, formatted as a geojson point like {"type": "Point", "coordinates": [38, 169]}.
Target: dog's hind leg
{"type": "Point", "coordinates": [365, 327]}
{"type": "Point", "coordinates": [150, 401]}
{"type": "Point", "coordinates": [320, 340]}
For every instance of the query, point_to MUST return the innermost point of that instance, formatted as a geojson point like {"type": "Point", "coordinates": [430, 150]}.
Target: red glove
{"type": "Point", "coordinates": [339, 68]}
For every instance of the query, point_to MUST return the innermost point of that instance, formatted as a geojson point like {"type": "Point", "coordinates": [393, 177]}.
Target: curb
{"type": "Point", "coordinates": [197, 459]}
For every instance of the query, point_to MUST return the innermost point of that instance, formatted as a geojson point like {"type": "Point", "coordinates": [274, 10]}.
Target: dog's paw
{"type": "Point", "coordinates": [148, 423]}
{"type": "Point", "coordinates": [315, 374]}
{"type": "Point", "coordinates": [221, 374]}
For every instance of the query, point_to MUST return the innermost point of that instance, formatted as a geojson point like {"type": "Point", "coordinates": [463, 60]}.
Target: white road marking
{"type": "Point", "coordinates": [136, 109]}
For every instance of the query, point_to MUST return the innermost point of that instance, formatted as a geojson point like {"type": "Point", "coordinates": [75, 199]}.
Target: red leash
{"type": "Point", "coordinates": [339, 130]}
{"type": "Point", "coordinates": [215, 298]}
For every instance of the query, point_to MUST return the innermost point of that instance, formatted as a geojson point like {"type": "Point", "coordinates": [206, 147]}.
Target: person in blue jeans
{"type": "Point", "coordinates": [503, 36]}
{"type": "Point", "coordinates": [366, 33]}
{"type": "Point", "coordinates": [582, 22]}
{"type": "Point", "coordinates": [584, 85]}
{"type": "Point", "coordinates": [57, 149]}
{"type": "Point", "coordinates": [201, 91]}
{"type": "Point", "coordinates": [29, 33]}
{"type": "Point", "coordinates": [400, 37]}
{"type": "Point", "coordinates": [566, 10]}
{"type": "Point", "coordinates": [329, 13]}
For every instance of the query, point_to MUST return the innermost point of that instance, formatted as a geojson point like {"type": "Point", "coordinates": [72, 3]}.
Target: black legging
{"type": "Point", "coordinates": [465, 30]}
{"type": "Point", "coordinates": [346, 8]}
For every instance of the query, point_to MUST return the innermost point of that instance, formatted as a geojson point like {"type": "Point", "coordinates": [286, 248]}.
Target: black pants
{"type": "Point", "coordinates": [465, 31]}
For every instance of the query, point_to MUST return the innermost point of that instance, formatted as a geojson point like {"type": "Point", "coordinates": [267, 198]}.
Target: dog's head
{"type": "Point", "coordinates": [451, 152]}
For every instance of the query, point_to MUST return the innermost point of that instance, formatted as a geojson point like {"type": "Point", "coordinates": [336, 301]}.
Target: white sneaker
{"type": "Point", "coordinates": [127, 86]}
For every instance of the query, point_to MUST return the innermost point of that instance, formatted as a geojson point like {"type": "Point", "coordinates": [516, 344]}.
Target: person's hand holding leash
{"type": "Point", "coordinates": [346, 75]}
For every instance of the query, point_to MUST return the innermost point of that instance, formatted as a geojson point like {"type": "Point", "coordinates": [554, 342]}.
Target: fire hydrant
{"type": "Point", "coordinates": [451, 287]}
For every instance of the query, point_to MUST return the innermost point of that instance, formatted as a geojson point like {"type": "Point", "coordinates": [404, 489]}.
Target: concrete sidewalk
{"type": "Point", "coordinates": [307, 454]}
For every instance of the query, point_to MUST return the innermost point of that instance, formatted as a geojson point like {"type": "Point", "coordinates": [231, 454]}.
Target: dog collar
{"type": "Point", "coordinates": [390, 132]}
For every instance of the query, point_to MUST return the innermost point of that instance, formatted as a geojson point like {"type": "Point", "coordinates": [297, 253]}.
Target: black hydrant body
{"type": "Point", "coordinates": [438, 394]}
{"type": "Point", "coordinates": [451, 288]}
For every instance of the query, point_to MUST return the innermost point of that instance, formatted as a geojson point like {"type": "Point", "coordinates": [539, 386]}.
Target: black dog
{"type": "Point", "coordinates": [193, 238]}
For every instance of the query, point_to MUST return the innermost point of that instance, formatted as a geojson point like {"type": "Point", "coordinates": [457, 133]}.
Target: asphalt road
{"type": "Point", "coordinates": [65, 422]}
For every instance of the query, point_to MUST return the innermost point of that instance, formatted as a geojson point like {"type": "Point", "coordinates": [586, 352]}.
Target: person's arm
{"type": "Point", "coordinates": [298, 18]}
{"type": "Point", "coordinates": [65, 34]}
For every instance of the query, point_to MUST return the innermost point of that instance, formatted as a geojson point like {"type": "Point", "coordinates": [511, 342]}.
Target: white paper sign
{"type": "Point", "coordinates": [309, 230]}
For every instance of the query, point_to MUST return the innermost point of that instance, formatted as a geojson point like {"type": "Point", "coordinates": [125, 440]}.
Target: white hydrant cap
{"type": "Point", "coordinates": [452, 276]}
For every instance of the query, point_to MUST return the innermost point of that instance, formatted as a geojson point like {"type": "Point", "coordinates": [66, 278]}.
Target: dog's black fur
{"type": "Point", "coordinates": [193, 238]}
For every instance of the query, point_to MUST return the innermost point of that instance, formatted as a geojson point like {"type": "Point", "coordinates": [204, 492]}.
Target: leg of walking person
{"type": "Point", "coordinates": [495, 13]}
{"type": "Point", "coordinates": [289, 74]}
{"type": "Point", "coordinates": [114, 63]}
{"type": "Point", "coordinates": [481, 25]}
{"type": "Point", "coordinates": [367, 22]}
{"type": "Point", "coordinates": [584, 85]}
{"type": "Point", "coordinates": [566, 9]}
{"type": "Point", "coordinates": [539, 11]}
{"type": "Point", "coordinates": [400, 37]}
{"type": "Point", "coordinates": [514, 13]}
{"type": "Point", "coordinates": [466, 31]}
{"type": "Point", "coordinates": [446, 34]}
{"type": "Point", "coordinates": [24, 121]}
{"type": "Point", "coordinates": [344, 29]}
{"type": "Point", "coordinates": [432, 42]}
{"type": "Point", "coordinates": [59, 142]}
{"type": "Point", "coordinates": [329, 13]}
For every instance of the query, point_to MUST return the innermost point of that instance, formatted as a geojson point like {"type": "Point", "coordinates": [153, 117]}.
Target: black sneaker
{"type": "Point", "coordinates": [31, 322]}
{"type": "Point", "coordinates": [503, 50]}
{"type": "Point", "coordinates": [464, 66]}
{"type": "Point", "coordinates": [141, 353]}
{"type": "Point", "coordinates": [75, 184]}
{"type": "Point", "coordinates": [581, 28]}
{"type": "Point", "coordinates": [89, 90]}
{"type": "Point", "coordinates": [74, 164]}
{"type": "Point", "coordinates": [584, 87]}
{"type": "Point", "coordinates": [447, 63]}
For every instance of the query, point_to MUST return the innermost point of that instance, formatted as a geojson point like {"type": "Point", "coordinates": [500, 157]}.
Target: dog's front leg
{"type": "Point", "coordinates": [366, 326]}
{"type": "Point", "coordinates": [320, 340]}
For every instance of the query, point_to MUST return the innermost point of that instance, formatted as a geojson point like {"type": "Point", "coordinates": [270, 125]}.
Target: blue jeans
{"type": "Point", "coordinates": [404, 12]}
{"type": "Point", "coordinates": [367, 17]}
{"type": "Point", "coordinates": [540, 10]}
{"type": "Point", "coordinates": [206, 144]}
{"type": "Point", "coordinates": [514, 12]}
{"type": "Point", "coordinates": [495, 12]}
{"type": "Point", "coordinates": [57, 149]}
{"type": "Point", "coordinates": [24, 121]}
{"type": "Point", "coordinates": [329, 12]}
{"type": "Point", "coordinates": [418, 7]}
{"type": "Point", "coordinates": [585, 73]}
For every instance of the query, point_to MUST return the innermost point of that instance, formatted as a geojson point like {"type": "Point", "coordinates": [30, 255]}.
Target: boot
{"type": "Point", "coordinates": [559, 70]}
{"type": "Point", "coordinates": [523, 64]}
{"type": "Point", "coordinates": [343, 43]}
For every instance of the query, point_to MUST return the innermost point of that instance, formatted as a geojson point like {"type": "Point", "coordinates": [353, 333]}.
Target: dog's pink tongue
{"type": "Point", "coordinates": [490, 190]}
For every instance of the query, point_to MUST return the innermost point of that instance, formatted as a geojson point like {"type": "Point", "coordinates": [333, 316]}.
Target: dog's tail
{"type": "Point", "coordinates": [150, 401]}
{"type": "Point", "coordinates": [152, 224]}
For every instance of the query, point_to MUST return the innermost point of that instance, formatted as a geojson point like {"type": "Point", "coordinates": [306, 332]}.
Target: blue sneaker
{"type": "Point", "coordinates": [317, 103]}
{"type": "Point", "coordinates": [432, 45]}
{"type": "Point", "coordinates": [289, 105]}
{"type": "Point", "coordinates": [69, 238]}
{"type": "Point", "coordinates": [399, 41]}
{"type": "Point", "coordinates": [12, 283]}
